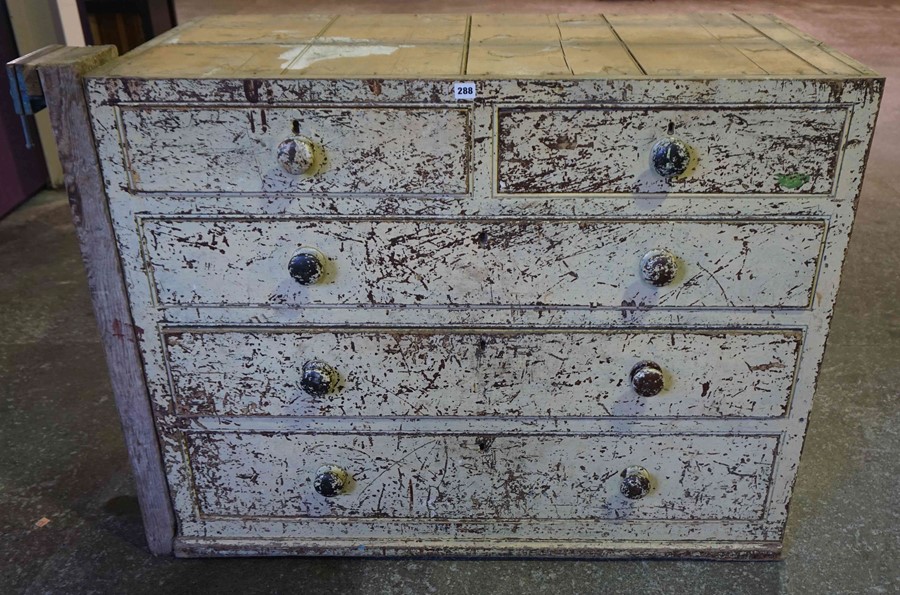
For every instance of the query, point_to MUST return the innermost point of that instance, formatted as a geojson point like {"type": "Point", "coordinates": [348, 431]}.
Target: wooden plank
{"type": "Point", "coordinates": [377, 60]}
{"type": "Point", "coordinates": [426, 29]}
{"type": "Point", "coordinates": [803, 46]}
{"type": "Point", "coordinates": [25, 68]}
{"type": "Point", "coordinates": [61, 80]}
{"type": "Point", "coordinates": [499, 60]}
{"type": "Point", "coordinates": [855, 64]}
{"type": "Point", "coordinates": [504, 45]}
{"type": "Point", "coordinates": [267, 28]}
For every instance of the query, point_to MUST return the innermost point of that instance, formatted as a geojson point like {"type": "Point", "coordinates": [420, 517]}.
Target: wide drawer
{"type": "Point", "coordinates": [592, 263]}
{"type": "Point", "coordinates": [734, 150]}
{"type": "Point", "coordinates": [355, 150]}
{"type": "Point", "coordinates": [709, 477]}
{"type": "Point", "coordinates": [509, 373]}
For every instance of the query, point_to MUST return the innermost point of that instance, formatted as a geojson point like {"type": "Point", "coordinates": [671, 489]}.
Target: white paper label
{"type": "Point", "coordinates": [464, 91]}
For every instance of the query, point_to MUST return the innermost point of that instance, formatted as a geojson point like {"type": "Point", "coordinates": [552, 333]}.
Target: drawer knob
{"type": "Point", "coordinates": [659, 267]}
{"type": "Point", "coordinates": [296, 155]}
{"type": "Point", "coordinates": [307, 266]}
{"type": "Point", "coordinates": [318, 378]}
{"type": "Point", "coordinates": [670, 157]}
{"type": "Point", "coordinates": [331, 481]}
{"type": "Point", "coordinates": [635, 483]}
{"type": "Point", "coordinates": [647, 379]}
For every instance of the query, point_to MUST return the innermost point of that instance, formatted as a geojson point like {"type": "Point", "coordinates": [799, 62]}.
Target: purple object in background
{"type": "Point", "coordinates": [22, 171]}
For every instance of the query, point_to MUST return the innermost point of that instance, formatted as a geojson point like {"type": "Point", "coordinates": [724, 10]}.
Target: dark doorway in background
{"type": "Point", "coordinates": [22, 171]}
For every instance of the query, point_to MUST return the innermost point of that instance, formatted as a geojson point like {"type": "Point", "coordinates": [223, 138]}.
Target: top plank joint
{"type": "Point", "coordinates": [486, 46]}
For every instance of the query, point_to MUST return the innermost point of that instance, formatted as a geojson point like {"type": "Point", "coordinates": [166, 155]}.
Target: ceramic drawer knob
{"type": "Point", "coordinates": [647, 379]}
{"type": "Point", "coordinates": [307, 266]}
{"type": "Point", "coordinates": [331, 481]}
{"type": "Point", "coordinates": [319, 378]}
{"type": "Point", "coordinates": [635, 483]}
{"type": "Point", "coordinates": [296, 155]}
{"type": "Point", "coordinates": [670, 157]}
{"type": "Point", "coordinates": [659, 267]}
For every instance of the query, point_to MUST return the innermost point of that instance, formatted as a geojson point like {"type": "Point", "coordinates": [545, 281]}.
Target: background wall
{"type": "Point", "coordinates": [35, 24]}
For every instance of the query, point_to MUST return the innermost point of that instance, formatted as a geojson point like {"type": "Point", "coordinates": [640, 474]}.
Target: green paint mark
{"type": "Point", "coordinates": [792, 181]}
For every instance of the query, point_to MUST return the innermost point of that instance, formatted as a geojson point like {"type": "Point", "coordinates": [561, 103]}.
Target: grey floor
{"type": "Point", "coordinates": [62, 456]}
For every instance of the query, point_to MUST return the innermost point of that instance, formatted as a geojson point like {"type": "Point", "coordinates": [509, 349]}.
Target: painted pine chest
{"type": "Point", "coordinates": [500, 285]}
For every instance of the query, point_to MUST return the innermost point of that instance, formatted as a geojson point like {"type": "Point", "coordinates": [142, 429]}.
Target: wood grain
{"type": "Point", "coordinates": [61, 80]}
{"type": "Point", "coordinates": [485, 45]}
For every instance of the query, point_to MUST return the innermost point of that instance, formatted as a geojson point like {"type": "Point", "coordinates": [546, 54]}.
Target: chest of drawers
{"type": "Point", "coordinates": [439, 285]}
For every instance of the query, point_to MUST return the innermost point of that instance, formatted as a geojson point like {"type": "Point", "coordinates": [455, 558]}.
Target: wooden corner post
{"type": "Point", "coordinates": [59, 72]}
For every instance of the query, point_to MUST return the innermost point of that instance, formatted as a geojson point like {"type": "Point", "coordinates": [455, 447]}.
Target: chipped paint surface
{"type": "Point", "coordinates": [502, 373]}
{"type": "Point", "coordinates": [419, 262]}
{"type": "Point", "coordinates": [609, 150]}
{"type": "Point", "coordinates": [482, 305]}
{"type": "Point", "coordinates": [237, 149]}
{"type": "Point", "coordinates": [521, 477]}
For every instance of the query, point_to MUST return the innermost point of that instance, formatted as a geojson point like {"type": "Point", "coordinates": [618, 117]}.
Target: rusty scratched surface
{"type": "Point", "coordinates": [235, 149]}
{"type": "Point", "coordinates": [734, 150]}
{"type": "Point", "coordinates": [533, 262]}
{"type": "Point", "coordinates": [554, 477]}
{"type": "Point", "coordinates": [501, 373]}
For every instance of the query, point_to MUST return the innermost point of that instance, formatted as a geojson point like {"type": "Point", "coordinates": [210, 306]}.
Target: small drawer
{"type": "Point", "coordinates": [274, 150]}
{"type": "Point", "coordinates": [588, 477]}
{"type": "Point", "coordinates": [504, 373]}
{"type": "Point", "coordinates": [587, 263]}
{"type": "Point", "coordinates": [703, 150]}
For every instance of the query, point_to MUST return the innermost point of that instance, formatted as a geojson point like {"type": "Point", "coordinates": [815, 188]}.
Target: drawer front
{"type": "Point", "coordinates": [479, 477]}
{"type": "Point", "coordinates": [387, 373]}
{"type": "Point", "coordinates": [734, 150]}
{"type": "Point", "coordinates": [358, 150]}
{"type": "Point", "coordinates": [209, 262]}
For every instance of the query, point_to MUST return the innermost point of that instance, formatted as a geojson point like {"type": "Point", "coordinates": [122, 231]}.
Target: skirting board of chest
{"type": "Point", "coordinates": [532, 285]}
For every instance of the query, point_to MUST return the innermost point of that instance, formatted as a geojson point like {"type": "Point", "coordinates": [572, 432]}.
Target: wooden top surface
{"type": "Point", "coordinates": [485, 46]}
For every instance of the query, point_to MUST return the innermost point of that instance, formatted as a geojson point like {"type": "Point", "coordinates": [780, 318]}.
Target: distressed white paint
{"type": "Point", "coordinates": [235, 150]}
{"type": "Point", "coordinates": [734, 150]}
{"type": "Point", "coordinates": [499, 373]}
{"type": "Point", "coordinates": [807, 242]}
{"type": "Point", "coordinates": [512, 263]}
{"type": "Point", "coordinates": [482, 477]}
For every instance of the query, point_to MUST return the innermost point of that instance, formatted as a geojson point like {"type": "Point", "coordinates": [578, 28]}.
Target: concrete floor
{"type": "Point", "coordinates": [62, 456]}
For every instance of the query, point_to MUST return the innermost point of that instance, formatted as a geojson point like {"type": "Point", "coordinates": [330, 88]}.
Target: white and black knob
{"type": "Point", "coordinates": [297, 155]}
{"type": "Point", "coordinates": [670, 157]}
{"type": "Point", "coordinates": [307, 266]}
{"type": "Point", "coordinates": [659, 267]}
{"type": "Point", "coordinates": [331, 481]}
{"type": "Point", "coordinates": [319, 378]}
{"type": "Point", "coordinates": [635, 482]}
{"type": "Point", "coordinates": [647, 379]}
